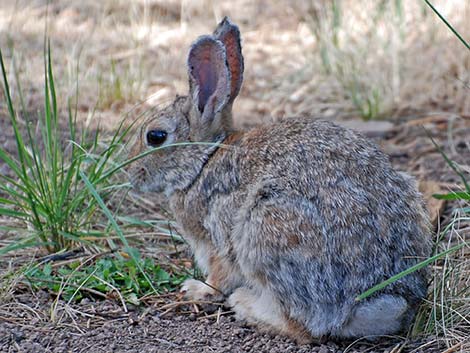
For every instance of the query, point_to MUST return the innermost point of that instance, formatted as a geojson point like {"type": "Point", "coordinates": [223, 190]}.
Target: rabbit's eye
{"type": "Point", "coordinates": [156, 138]}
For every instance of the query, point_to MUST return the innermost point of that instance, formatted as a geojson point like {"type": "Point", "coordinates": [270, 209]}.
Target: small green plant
{"type": "Point", "coordinates": [103, 278]}
{"type": "Point", "coordinates": [366, 101]}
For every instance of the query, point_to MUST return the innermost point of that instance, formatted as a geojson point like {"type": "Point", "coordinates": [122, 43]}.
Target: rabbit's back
{"type": "Point", "coordinates": [324, 217]}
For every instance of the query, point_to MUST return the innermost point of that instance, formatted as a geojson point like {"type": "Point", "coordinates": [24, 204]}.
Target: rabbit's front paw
{"type": "Point", "coordinates": [197, 290]}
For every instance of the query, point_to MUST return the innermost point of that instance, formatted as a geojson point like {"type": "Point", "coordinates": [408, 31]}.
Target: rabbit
{"type": "Point", "coordinates": [289, 221]}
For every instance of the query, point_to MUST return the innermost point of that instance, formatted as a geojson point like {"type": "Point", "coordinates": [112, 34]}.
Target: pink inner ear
{"type": "Point", "coordinates": [208, 72]}
{"type": "Point", "coordinates": [206, 77]}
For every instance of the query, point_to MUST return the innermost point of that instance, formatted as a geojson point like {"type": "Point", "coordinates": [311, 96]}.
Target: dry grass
{"type": "Point", "coordinates": [298, 59]}
{"type": "Point", "coordinates": [446, 313]}
{"type": "Point", "coordinates": [379, 60]}
{"type": "Point", "coordinates": [396, 55]}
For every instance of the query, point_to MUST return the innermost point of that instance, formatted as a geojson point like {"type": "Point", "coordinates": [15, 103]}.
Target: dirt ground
{"type": "Point", "coordinates": [104, 327]}
{"type": "Point", "coordinates": [284, 77]}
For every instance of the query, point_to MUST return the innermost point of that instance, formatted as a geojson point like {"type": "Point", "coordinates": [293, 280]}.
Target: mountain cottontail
{"type": "Point", "coordinates": [289, 221]}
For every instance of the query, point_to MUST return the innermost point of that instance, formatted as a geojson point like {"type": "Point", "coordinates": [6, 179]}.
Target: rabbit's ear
{"type": "Point", "coordinates": [209, 78]}
{"type": "Point", "coordinates": [229, 35]}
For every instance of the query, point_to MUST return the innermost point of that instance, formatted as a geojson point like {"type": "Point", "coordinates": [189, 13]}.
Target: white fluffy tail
{"type": "Point", "coordinates": [378, 316]}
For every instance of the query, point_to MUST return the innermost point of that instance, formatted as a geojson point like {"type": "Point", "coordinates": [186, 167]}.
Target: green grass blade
{"type": "Point", "coordinates": [115, 143]}
{"type": "Point", "coordinates": [457, 34]}
{"type": "Point", "coordinates": [18, 85]}
{"type": "Point", "coordinates": [457, 195]}
{"type": "Point", "coordinates": [12, 213]}
{"type": "Point", "coordinates": [54, 143]}
{"type": "Point", "coordinates": [19, 140]}
{"type": "Point", "coordinates": [412, 269]}
{"type": "Point", "coordinates": [28, 242]}
{"type": "Point", "coordinates": [50, 77]}
{"type": "Point", "coordinates": [67, 182]}
{"type": "Point", "coordinates": [10, 162]}
{"type": "Point", "coordinates": [15, 191]}
{"type": "Point", "coordinates": [24, 160]}
{"type": "Point", "coordinates": [6, 88]}
{"type": "Point", "coordinates": [7, 201]}
{"type": "Point", "coordinates": [51, 133]}
{"type": "Point", "coordinates": [75, 238]}
{"type": "Point", "coordinates": [37, 181]}
{"type": "Point", "coordinates": [120, 166]}
{"type": "Point", "coordinates": [47, 138]}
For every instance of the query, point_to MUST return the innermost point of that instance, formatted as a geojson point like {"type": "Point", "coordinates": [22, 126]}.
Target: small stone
{"type": "Point", "coordinates": [371, 128]}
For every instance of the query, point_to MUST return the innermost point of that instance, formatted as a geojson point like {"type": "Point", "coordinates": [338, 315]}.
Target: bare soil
{"type": "Point", "coordinates": [103, 326]}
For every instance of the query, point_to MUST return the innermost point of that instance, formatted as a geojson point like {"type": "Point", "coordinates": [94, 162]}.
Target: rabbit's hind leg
{"type": "Point", "coordinates": [383, 315]}
{"type": "Point", "coordinates": [260, 308]}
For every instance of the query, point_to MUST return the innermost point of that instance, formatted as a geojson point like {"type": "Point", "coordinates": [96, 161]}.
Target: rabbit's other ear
{"type": "Point", "coordinates": [229, 35]}
{"type": "Point", "coordinates": [209, 82]}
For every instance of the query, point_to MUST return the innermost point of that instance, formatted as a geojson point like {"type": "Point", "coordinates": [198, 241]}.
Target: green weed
{"type": "Point", "coordinates": [104, 278]}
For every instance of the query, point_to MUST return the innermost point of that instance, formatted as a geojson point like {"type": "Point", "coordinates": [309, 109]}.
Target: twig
{"type": "Point", "coordinates": [124, 306]}
{"type": "Point", "coordinates": [188, 302]}
{"type": "Point", "coordinates": [217, 315]}
{"type": "Point", "coordinates": [61, 256]}
{"type": "Point", "coordinates": [454, 347]}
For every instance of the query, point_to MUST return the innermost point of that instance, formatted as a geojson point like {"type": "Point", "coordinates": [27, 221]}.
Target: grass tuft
{"type": "Point", "coordinates": [44, 190]}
